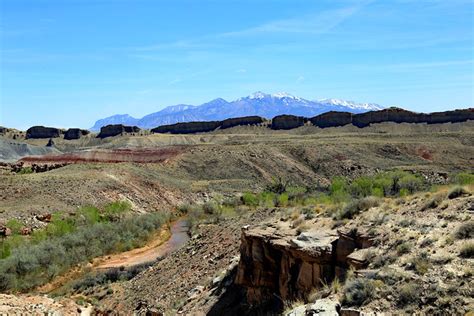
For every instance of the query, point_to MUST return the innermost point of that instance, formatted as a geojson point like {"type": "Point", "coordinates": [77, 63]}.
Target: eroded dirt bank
{"type": "Point", "coordinates": [157, 248]}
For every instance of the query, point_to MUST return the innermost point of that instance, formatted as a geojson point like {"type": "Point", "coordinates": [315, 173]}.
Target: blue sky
{"type": "Point", "coordinates": [69, 62]}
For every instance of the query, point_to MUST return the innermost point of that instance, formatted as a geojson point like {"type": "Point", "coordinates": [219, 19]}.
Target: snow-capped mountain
{"type": "Point", "coordinates": [258, 103]}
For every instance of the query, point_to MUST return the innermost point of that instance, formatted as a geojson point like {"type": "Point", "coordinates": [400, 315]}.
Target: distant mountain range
{"type": "Point", "coordinates": [258, 103]}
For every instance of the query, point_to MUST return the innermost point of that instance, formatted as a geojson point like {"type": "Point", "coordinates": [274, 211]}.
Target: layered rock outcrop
{"type": "Point", "coordinates": [398, 115]}
{"type": "Point", "coordinates": [187, 128]}
{"type": "Point", "coordinates": [75, 133]}
{"type": "Point", "coordinates": [42, 132]}
{"type": "Point", "coordinates": [241, 121]}
{"type": "Point", "coordinates": [332, 119]}
{"type": "Point", "coordinates": [288, 121]}
{"type": "Point", "coordinates": [278, 262]}
{"type": "Point", "coordinates": [116, 129]}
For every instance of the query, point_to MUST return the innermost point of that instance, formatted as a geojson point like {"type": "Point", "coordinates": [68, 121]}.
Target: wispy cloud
{"type": "Point", "coordinates": [315, 23]}
{"type": "Point", "coordinates": [300, 79]}
{"type": "Point", "coordinates": [409, 67]}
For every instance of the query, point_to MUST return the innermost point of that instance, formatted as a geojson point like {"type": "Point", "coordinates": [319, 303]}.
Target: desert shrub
{"type": "Point", "coordinates": [249, 199]}
{"type": "Point", "coordinates": [408, 293]}
{"type": "Point", "coordinates": [339, 189]}
{"type": "Point", "coordinates": [356, 206]}
{"type": "Point", "coordinates": [464, 178]}
{"type": "Point", "coordinates": [114, 210]}
{"type": "Point", "coordinates": [283, 200]}
{"type": "Point", "coordinates": [426, 242]}
{"type": "Point", "coordinates": [210, 208]}
{"type": "Point", "coordinates": [296, 192]}
{"type": "Point", "coordinates": [465, 230]}
{"type": "Point", "coordinates": [184, 208]}
{"type": "Point", "coordinates": [456, 192]}
{"type": "Point", "coordinates": [25, 170]}
{"type": "Point", "coordinates": [378, 192]}
{"type": "Point", "coordinates": [361, 187]}
{"type": "Point", "coordinates": [410, 183]}
{"type": "Point", "coordinates": [267, 199]}
{"type": "Point", "coordinates": [90, 214]}
{"type": "Point", "coordinates": [383, 260]}
{"type": "Point", "coordinates": [15, 226]}
{"type": "Point", "coordinates": [5, 249]}
{"type": "Point", "coordinates": [467, 250]}
{"type": "Point", "coordinates": [357, 292]}
{"type": "Point", "coordinates": [33, 264]}
{"type": "Point", "coordinates": [403, 248]}
{"type": "Point", "coordinates": [434, 202]}
{"type": "Point", "coordinates": [420, 263]}
{"type": "Point", "coordinates": [278, 185]}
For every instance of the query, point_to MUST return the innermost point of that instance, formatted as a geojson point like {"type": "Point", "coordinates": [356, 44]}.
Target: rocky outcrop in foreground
{"type": "Point", "coordinates": [75, 133]}
{"type": "Point", "coordinates": [42, 132]}
{"type": "Point", "coordinates": [278, 262]}
{"type": "Point", "coordinates": [117, 129]}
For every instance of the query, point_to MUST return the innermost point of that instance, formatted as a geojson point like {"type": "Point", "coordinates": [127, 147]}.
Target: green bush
{"type": "Point", "coordinates": [15, 226]}
{"type": "Point", "coordinates": [361, 187]}
{"type": "Point", "coordinates": [32, 264]}
{"type": "Point", "coordinates": [464, 178]}
{"type": "Point", "coordinates": [357, 292]}
{"type": "Point", "coordinates": [267, 199]}
{"type": "Point", "coordinates": [249, 199]}
{"type": "Point", "coordinates": [283, 199]}
{"type": "Point", "coordinates": [113, 211]}
{"type": "Point", "coordinates": [25, 170]}
{"type": "Point", "coordinates": [89, 214]}
{"type": "Point", "coordinates": [410, 183]}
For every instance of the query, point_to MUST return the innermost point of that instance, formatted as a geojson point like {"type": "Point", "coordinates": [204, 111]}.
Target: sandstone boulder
{"type": "Point", "coordinates": [332, 119]}
{"type": "Point", "coordinates": [42, 132]}
{"type": "Point", "coordinates": [75, 133]}
{"type": "Point", "coordinates": [187, 128]}
{"type": "Point", "coordinates": [288, 122]}
{"type": "Point", "coordinates": [240, 121]}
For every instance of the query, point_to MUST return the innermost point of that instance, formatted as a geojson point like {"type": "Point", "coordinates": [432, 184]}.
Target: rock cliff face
{"type": "Point", "coordinates": [75, 133]}
{"type": "Point", "coordinates": [3, 130]}
{"type": "Point", "coordinates": [117, 129]}
{"type": "Point", "coordinates": [279, 263]}
{"type": "Point", "coordinates": [403, 116]}
{"type": "Point", "coordinates": [247, 120]}
{"type": "Point", "coordinates": [288, 121]}
{"type": "Point", "coordinates": [42, 132]}
{"type": "Point", "coordinates": [187, 128]}
{"type": "Point", "coordinates": [332, 119]}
